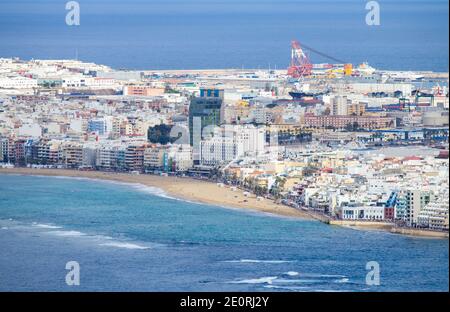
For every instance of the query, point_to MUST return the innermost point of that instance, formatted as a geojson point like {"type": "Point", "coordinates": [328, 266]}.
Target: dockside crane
{"type": "Point", "coordinates": [301, 66]}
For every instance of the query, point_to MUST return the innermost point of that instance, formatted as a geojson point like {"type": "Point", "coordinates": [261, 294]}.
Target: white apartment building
{"type": "Point", "coordinates": [435, 214]}
{"type": "Point", "coordinates": [110, 156]}
{"type": "Point", "coordinates": [101, 83]}
{"type": "Point", "coordinates": [259, 115]}
{"type": "Point", "coordinates": [410, 202]}
{"type": "Point", "coordinates": [339, 105]}
{"type": "Point", "coordinates": [181, 154]}
{"type": "Point", "coordinates": [80, 81]}
{"type": "Point", "coordinates": [78, 125]}
{"type": "Point", "coordinates": [230, 143]}
{"type": "Point", "coordinates": [18, 83]}
{"type": "Point", "coordinates": [154, 157]}
{"type": "Point", "coordinates": [53, 128]}
{"type": "Point", "coordinates": [218, 150]}
{"type": "Point", "coordinates": [74, 81]}
{"type": "Point", "coordinates": [30, 130]}
{"type": "Point", "coordinates": [363, 213]}
{"type": "Point", "coordinates": [89, 155]}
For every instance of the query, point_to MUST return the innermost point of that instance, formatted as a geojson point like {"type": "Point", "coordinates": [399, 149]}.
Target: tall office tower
{"type": "Point", "coordinates": [204, 111]}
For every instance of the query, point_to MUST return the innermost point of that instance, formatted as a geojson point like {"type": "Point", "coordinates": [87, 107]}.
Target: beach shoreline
{"type": "Point", "coordinates": [210, 193]}
{"type": "Point", "coordinates": [184, 188]}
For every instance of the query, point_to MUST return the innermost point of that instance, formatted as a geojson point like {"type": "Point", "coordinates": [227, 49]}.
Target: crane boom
{"type": "Point", "coordinates": [323, 54]}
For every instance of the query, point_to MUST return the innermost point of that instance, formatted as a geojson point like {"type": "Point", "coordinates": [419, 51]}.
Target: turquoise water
{"type": "Point", "coordinates": [184, 34]}
{"type": "Point", "coordinates": [129, 237]}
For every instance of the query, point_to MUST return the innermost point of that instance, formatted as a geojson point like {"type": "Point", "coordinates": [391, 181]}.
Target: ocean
{"type": "Point", "coordinates": [197, 34]}
{"type": "Point", "coordinates": [128, 237]}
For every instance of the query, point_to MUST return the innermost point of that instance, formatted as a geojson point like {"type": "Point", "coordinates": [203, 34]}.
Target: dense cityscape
{"type": "Point", "coordinates": [343, 143]}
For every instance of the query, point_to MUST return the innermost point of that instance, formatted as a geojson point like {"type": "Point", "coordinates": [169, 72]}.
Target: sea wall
{"type": "Point", "coordinates": [420, 232]}
{"type": "Point", "coordinates": [363, 224]}
{"type": "Point", "coordinates": [386, 226]}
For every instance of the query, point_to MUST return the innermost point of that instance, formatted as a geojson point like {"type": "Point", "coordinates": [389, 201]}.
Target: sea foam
{"type": "Point", "coordinates": [260, 280]}
{"type": "Point", "coordinates": [292, 273]}
{"type": "Point", "coordinates": [67, 233]}
{"type": "Point", "coordinates": [300, 281]}
{"type": "Point", "coordinates": [342, 280]}
{"type": "Point", "coordinates": [100, 240]}
{"type": "Point", "coordinates": [46, 226]}
{"type": "Point", "coordinates": [258, 261]}
{"type": "Point", "coordinates": [293, 288]}
{"type": "Point", "coordinates": [124, 245]}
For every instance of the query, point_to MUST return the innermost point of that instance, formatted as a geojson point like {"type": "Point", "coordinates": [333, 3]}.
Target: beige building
{"type": "Point", "coordinates": [137, 90]}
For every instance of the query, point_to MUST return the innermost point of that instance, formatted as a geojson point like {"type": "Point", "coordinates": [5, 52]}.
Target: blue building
{"type": "Point", "coordinates": [97, 125]}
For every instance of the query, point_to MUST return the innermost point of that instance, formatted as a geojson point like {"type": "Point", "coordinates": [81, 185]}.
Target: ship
{"type": "Point", "coordinates": [302, 95]}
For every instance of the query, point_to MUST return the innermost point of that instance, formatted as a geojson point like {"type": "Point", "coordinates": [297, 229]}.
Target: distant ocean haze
{"type": "Point", "coordinates": [176, 34]}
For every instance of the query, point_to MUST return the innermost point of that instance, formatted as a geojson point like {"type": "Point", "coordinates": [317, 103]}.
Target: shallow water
{"type": "Point", "coordinates": [127, 237]}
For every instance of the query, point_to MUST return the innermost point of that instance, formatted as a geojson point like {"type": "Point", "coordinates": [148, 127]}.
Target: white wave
{"type": "Point", "coordinates": [287, 287]}
{"type": "Point", "coordinates": [293, 281]}
{"type": "Point", "coordinates": [342, 280]}
{"type": "Point", "coordinates": [318, 275]}
{"type": "Point", "coordinates": [150, 190]}
{"type": "Point", "coordinates": [124, 245]}
{"type": "Point", "coordinates": [46, 226]}
{"type": "Point", "coordinates": [261, 280]}
{"type": "Point", "coordinates": [99, 239]}
{"type": "Point", "coordinates": [258, 261]}
{"type": "Point", "coordinates": [292, 273]}
{"type": "Point", "coordinates": [93, 239]}
{"type": "Point", "coordinates": [104, 237]}
{"type": "Point", "coordinates": [4, 228]}
{"type": "Point", "coordinates": [67, 233]}
{"type": "Point", "coordinates": [331, 290]}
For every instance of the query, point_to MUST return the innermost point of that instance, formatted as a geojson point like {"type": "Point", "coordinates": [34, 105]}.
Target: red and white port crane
{"type": "Point", "coordinates": [300, 65]}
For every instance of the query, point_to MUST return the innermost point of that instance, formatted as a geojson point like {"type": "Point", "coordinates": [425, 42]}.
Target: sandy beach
{"type": "Point", "coordinates": [183, 188]}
